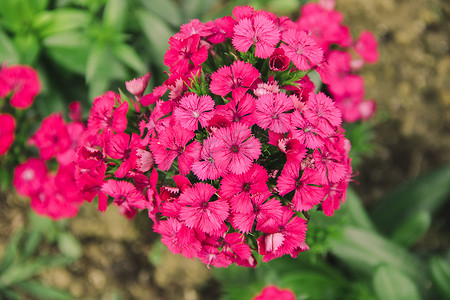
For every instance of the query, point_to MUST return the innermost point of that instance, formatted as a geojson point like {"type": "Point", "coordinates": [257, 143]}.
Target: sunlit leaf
{"type": "Point", "coordinates": [61, 20]}
{"type": "Point", "coordinates": [69, 246]}
{"type": "Point", "coordinates": [40, 291]}
{"type": "Point", "coordinates": [440, 274]}
{"type": "Point", "coordinates": [115, 14]}
{"type": "Point", "coordinates": [390, 283]}
{"type": "Point", "coordinates": [167, 10]}
{"type": "Point", "coordinates": [7, 51]}
{"type": "Point", "coordinates": [129, 57]}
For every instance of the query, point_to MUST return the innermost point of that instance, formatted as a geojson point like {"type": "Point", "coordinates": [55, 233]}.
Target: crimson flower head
{"type": "Point", "coordinates": [272, 292]}
{"type": "Point", "coordinates": [8, 125]}
{"type": "Point", "coordinates": [20, 81]}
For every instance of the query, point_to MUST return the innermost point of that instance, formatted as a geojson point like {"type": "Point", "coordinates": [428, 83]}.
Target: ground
{"type": "Point", "coordinates": [412, 132]}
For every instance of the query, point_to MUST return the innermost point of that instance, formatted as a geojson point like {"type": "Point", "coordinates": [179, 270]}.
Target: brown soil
{"type": "Point", "coordinates": [411, 86]}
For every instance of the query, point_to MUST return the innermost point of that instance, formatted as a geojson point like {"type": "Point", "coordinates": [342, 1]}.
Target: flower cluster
{"type": "Point", "coordinates": [231, 151]}
{"type": "Point", "coordinates": [339, 72]}
{"type": "Point", "coordinates": [20, 84]}
{"type": "Point", "coordinates": [55, 195]}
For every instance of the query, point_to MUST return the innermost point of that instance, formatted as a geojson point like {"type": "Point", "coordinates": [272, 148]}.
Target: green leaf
{"type": "Point", "coordinates": [11, 250]}
{"type": "Point", "coordinates": [44, 225]}
{"type": "Point", "coordinates": [427, 193]}
{"type": "Point", "coordinates": [390, 283]}
{"type": "Point", "coordinates": [440, 274]}
{"type": "Point", "coordinates": [167, 10]}
{"type": "Point", "coordinates": [69, 246]}
{"type": "Point", "coordinates": [61, 20]}
{"type": "Point", "coordinates": [28, 47]}
{"type": "Point", "coordinates": [7, 51]}
{"type": "Point", "coordinates": [103, 66]}
{"type": "Point", "coordinates": [363, 250]}
{"type": "Point", "coordinates": [158, 33]}
{"type": "Point", "coordinates": [194, 9]}
{"type": "Point", "coordinates": [115, 13]}
{"type": "Point", "coordinates": [31, 243]}
{"type": "Point", "coordinates": [356, 212]}
{"type": "Point", "coordinates": [15, 15]}
{"type": "Point", "coordinates": [44, 292]}
{"type": "Point", "coordinates": [412, 230]}
{"type": "Point", "coordinates": [69, 49]}
{"type": "Point", "coordinates": [129, 57]}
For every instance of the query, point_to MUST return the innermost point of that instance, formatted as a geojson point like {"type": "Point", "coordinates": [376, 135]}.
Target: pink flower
{"type": "Point", "coordinates": [29, 177]}
{"type": "Point", "coordinates": [75, 111]}
{"type": "Point", "coordinates": [305, 132]}
{"type": "Point", "coordinates": [237, 78]}
{"type": "Point", "coordinates": [329, 162]}
{"type": "Point", "coordinates": [178, 238]}
{"type": "Point", "coordinates": [172, 143]}
{"type": "Point", "coordinates": [194, 27]}
{"type": "Point", "coordinates": [7, 127]}
{"type": "Point", "coordinates": [121, 147]}
{"type": "Point", "coordinates": [213, 163]}
{"type": "Point", "coordinates": [185, 54]}
{"type": "Point", "coordinates": [258, 31]}
{"type": "Point", "coordinates": [240, 147]}
{"type": "Point", "coordinates": [52, 137]}
{"type": "Point", "coordinates": [22, 82]}
{"type": "Point", "coordinates": [238, 188]}
{"type": "Point", "coordinates": [193, 109]}
{"type": "Point", "coordinates": [264, 210]}
{"type": "Point", "coordinates": [125, 194]}
{"type": "Point", "coordinates": [199, 211]}
{"type": "Point", "coordinates": [272, 292]}
{"type": "Point", "coordinates": [271, 112]}
{"type": "Point", "coordinates": [278, 60]}
{"type": "Point", "coordinates": [239, 110]}
{"type": "Point", "coordinates": [301, 49]}
{"type": "Point", "coordinates": [323, 113]}
{"type": "Point", "coordinates": [294, 150]}
{"type": "Point", "coordinates": [222, 29]}
{"type": "Point", "coordinates": [286, 236]}
{"type": "Point", "coordinates": [104, 116]}
{"type": "Point", "coordinates": [308, 191]}
{"type": "Point", "coordinates": [137, 86]}
{"type": "Point", "coordinates": [367, 47]}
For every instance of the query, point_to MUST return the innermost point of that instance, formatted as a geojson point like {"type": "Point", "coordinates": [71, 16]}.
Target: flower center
{"type": "Point", "coordinates": [28, 175]}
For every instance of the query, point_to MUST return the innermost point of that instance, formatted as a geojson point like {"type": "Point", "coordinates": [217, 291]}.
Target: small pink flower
{"type": "Point", "coordinates": [52, 137]}
{"type": "Point", "coordinates": [137, 86]}
{"type": "Point", "coordinates": [306, 132]}
{"type": "Point", "coordinates": [258, 31]}
{"type": "Point", "coordinates": [193, 109]}
{"type": "Point", "coordinates": [367, 47]}
{"type": "Point", "coordinates": [22, 81]}
{"type": "Point", "coordinates": [222, 29]}
{"type": "Point", "coordinates": [272, 292]}
{"type": "Point", "coordinates": [213, 162]}
{"type": "Point", "coordinates": [178, 238]}
{"type": "Point", "coordinates": [272, 112]}
{"type": "Point", "coordinates": [301, 49]}
{"type": "Point", "coordinates": [125, 194]}
{"type": "Point", "coordinates": [7, 127]}
{"type": "Point", "coordinates": [240, 147]}
{"type": "Point", "coordinates": [237, 78]}
{"type": "Point", "coordinates": [322, 113]}
{"type": "Point", "coordinates": [185, 54]}
{"type": "Point", "coordinates": [105, 116]}
{"type": "Point", "coordinates": [198, 211]}
{"type": "Point", "coordinates": [75, 111]}
{"type": "Point", "coordinates": [29, 177]}
{"type": "Point", "coordinates": [122, 147]}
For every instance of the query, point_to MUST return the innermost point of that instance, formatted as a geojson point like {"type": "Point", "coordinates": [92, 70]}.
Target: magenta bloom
{"type": "Point", "coordinates": [198, 211]}
{"type": "Point", "coordinates": [178, 238]}
{"type": "Point", "coordinates": [30, 176]}
{"type": "Point", "coordinates": [239, 110]}
{"type": "Point", "coordinates": [258, 31]}
{"type": "Point", "coordinates": [323, 113]}
{"type": "Point", "coordinates": [272, 112]}
{"type": "Point", "coordinates": [301, 49]}
{"type": "Point", "coordinates": [367, 47]}
{"type": "Point", "coordinates": [22, 82]}
{"type": "Point", "coordinates": [308, 191]}
{"type": "Point", "coordinates": [238, 188]}
{"type": "Point", "coordinates": [272, 292]}
{"type": "Point", "coordinates": [193, 109]}
{"type": "Point", "coordinates": [278, 60]}
{"type": "Point", "coordinates": [7, 127]}
{"type": "Point", "coordinates": [213, 162]}
{"type": "Point", "coordinates": [124, 194]}
{"type": "Point", "coordinates": [104, 116]}
{"type": "Point", "coordinates": [121, 147]}
{"type": "Point", "coordinates": [172, 143]}
{"type": "Point", "coordinates": [264, 210]}
{"type": "Point", "coordinates": [240, 147]}
{"type": "Point", "coordinates": [287, 236]}
{"type": "Point", "coordinates": [237, 79]}
{"type": "Point", "coordinates": [305, 132]}
{"type": "Point", "coordinates": [52, 137]}
{"type": "Point", "coordinates": [137, 86]}
{"type": "Point", "coordinates": [185, 54]}
{"type": "Point", "coordinates": [221, 29]}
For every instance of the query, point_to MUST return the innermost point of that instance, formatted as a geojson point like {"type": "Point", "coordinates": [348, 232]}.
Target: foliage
{"type": "Point", "coordinates": [28, 253]}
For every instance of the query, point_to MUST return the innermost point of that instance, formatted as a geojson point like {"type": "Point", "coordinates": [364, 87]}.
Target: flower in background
{"type": "Point", "coordinates": [7, 127]}
{"type": "Point", "coordinates": [272, 292]}
{"type": "Point", "coordinates": [20, 81]}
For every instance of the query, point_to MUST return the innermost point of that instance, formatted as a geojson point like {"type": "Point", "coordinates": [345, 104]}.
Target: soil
{"type": "Point", "coordinates": [412, 126]}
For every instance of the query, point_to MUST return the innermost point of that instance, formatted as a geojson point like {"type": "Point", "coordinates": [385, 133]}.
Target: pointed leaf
{"type": "Point", "coordinates": [440, 274]}
{"type": "Point", "coordinates": [167, 10]}
{"type": "Point", "coordinates": [157, 33]}
{"type": "Point", "coordinates": [427, 193]}
{"type": "Point", "coordinates": [356, 212]}
{"type": "Point", "coordinates": [7, 51]}
{"type": "Point", "coordinates": [390, 283]}
{"type": "Point", "coordinates": [11, 250]}
{"type": "Point", "coordinates": [115, 13]}
{"type": "Point", "coordinates": [44, 292]}
{"type": "Point", "coordinates": [31, 243]}
{"type": "Point", "coordinates": [69, 246]}
{"type": "Point", "coordinates": [61, 20]}
{"type": "Point", "coordinates": [412, 230]}
{"type": "Point", "coordinates": [129, 57]}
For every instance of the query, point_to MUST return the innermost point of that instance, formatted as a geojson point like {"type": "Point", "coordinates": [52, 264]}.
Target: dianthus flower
{"type": "Point", "coordinates": [301, 49]}
{"type": "Point", "coordinates": [22, 81]}
{"type": "Point", "coordinates": [272, 292]}
{"type": "Point", "coordinates": [8, 125]}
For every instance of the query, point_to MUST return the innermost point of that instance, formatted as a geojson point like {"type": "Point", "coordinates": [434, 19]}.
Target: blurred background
{"type": "Point", "coordinates": [82, 48]}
